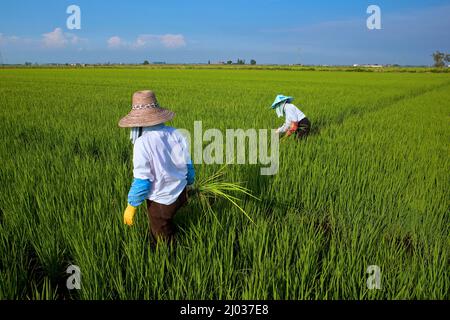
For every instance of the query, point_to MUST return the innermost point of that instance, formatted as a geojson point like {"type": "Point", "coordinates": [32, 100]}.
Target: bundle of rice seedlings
{"type": "Point", "coordinates": [207, 190]}
{"type": "Point", "coordinates": [285, 136]}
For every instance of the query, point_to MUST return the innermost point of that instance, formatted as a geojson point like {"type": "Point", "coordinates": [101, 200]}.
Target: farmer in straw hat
{"type": "Point", "coordinates": [296, 121]}
{"type": "Point", "coordinates": [162, 165]}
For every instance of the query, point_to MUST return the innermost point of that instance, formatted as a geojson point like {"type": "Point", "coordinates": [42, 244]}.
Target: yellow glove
{"type": "Point", "coordinates": [128, 215]}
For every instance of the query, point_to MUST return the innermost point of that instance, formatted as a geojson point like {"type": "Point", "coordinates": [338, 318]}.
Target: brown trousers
{"type": "Point", "coordinates": [303, 128]}
{"type": "Point", "coordinates": [161, 217]}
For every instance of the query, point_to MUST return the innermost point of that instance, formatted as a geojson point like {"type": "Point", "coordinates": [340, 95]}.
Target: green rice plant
{"type": "Point", "coordinates": [370, 186]}
{"type": "Point", "coordinates": [209, 189]}
{"type": "Point", "coordinates": [45, 292]}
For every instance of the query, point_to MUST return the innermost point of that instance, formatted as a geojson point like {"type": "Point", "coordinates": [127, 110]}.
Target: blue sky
{"type": "Point", "coordinates": [269, 31]}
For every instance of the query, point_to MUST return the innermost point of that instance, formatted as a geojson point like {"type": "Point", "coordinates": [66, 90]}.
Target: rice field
{"type": "Point", "coordinates": [370, 186]}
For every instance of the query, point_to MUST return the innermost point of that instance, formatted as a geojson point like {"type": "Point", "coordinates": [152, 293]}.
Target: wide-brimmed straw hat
{"type": "Point", "coordinates": [145, 111]}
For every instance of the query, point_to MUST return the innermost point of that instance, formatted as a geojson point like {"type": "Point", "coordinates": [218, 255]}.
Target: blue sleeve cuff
{"type": "Point", "coordinates": [190, 173]}
{"type": "Point", "coordinates": [139, 191]}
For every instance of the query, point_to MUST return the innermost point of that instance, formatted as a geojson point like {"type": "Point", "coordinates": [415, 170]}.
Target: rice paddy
{"type": "Point", "coordinates": [370, 186]}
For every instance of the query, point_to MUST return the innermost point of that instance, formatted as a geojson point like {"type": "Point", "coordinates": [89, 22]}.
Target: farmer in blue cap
{"type": "Point", "coordinates": [296, 121]}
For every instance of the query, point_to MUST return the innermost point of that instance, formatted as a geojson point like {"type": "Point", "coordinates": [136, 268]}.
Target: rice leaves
{"type": "Point", "coordinates": [370, 186]}
{"type": "Point", "coordinates": [209, 189]}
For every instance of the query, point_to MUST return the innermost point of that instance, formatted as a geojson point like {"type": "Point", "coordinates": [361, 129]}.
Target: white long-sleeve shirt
{"type": "Point", "coordinates": [160, 155]}
{"type": "Point", "coordinates": [292, 113]}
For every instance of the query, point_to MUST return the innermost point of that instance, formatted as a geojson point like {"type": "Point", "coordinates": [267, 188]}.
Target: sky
{"type": "Point", "coordinates": [325, 32]}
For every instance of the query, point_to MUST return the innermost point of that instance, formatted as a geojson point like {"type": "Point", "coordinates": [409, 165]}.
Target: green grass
{"type": "Point", "coordinates": [370, 186]}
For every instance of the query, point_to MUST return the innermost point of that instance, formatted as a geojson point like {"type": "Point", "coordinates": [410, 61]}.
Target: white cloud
{"type": "Point", "coordinates": [144, 40]}
{"type": "Point", "coordinates": [170, 41]}
{"type": "Point", "coordinates": [166, 40]}
{"type": "Point", "coordinates": [58, 39]}
{"type": "Point", "coordinates": [115, 42]}
{"type": "Point", "coordinates": [12, 40]}
{"type": "Point", "coordinates": [74, 39]}
{"type": "Point", "coordinates": [173, 40]}
{"type": "Point", "coordinates": [54, 39]}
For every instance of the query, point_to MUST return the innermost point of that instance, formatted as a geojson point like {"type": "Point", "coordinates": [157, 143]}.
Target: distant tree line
{"type": "Point", "coordinates": [238, 61]}
{"type": "Point", "coordinates": [440, 59]}
{"type": "Point", "coordinates": [242, 61]}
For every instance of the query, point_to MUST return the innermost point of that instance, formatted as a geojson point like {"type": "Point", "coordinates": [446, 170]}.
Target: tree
{"type": "Point", "coordinates": [253, 62]}
{"type": "Point", "coordinates": [447, 57]}
{"type": "Point", "coordinates": [209, 61]}
{"type": "Point", "coordinates": [229, 62]}
{"type": "Point", "coordinates": [146, 62]}
{"type": "Point", "coordinates": [240, 61]}
{"type": "Point", "coordinates": [439, 58]}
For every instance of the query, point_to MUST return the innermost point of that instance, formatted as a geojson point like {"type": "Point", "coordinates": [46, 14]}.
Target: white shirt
{"type": "Point", "coordinates": [292, 113]}
{"type": "Point", "coordinates": [161, 155]}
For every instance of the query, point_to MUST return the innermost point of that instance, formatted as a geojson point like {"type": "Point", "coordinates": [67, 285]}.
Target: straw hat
{"type": "Point", "coordinates": [145, 111]}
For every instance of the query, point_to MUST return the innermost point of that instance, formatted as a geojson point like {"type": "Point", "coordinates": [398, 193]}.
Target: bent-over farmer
{"type": "Point", "coordinates": [296, 121]}
{"type": "Point", "coordinates": [162, 166]}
